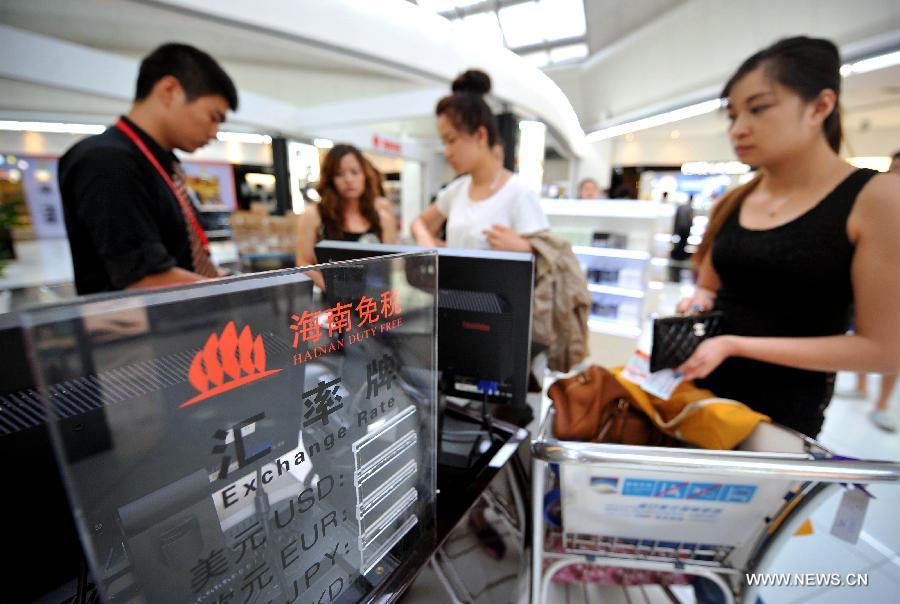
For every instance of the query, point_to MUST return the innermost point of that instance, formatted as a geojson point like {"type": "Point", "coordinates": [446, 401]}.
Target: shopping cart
{"type": "Point", "coordinates": [713, 514]}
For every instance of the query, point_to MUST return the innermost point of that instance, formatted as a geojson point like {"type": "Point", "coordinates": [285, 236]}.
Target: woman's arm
{"type": "Point", "coordinates": [874, 225]}
{"type": "Point", "coordinates": [388, 220]}
{"type": "Point", "coordinates": [307, 234]}
{"type": "Point", "coordinates": [427, 225]}
{"type": "Point", "coordinates": [501, 237]}
{"type": "Point", "coordinates": [307, 229]}
{"type": "Point", "coordinates": [708, 285]}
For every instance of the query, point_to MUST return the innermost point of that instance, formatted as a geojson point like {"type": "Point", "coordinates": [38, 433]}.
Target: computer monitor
{"type": "Point", "coordinates": [484, 317]}
{"type": "Point", "coordinates": [36, 504]}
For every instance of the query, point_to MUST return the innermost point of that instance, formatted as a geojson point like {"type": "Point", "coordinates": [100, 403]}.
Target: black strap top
{"type": "Point", "coordinates": [370, 236]}
{"type": "Point", "coordinates": [789, 281]}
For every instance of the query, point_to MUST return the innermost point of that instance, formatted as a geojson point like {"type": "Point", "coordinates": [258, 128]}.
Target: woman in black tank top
{"type": "Point", "coordinates": [352, 207]}
{"type": "Point", "coordinates": [786, 255]}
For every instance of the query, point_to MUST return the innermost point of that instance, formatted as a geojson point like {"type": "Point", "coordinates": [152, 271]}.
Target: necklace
{"type": "Point", "coordinates": [496, 179]}
{"type": "Point", "coordinates": [774, 210]}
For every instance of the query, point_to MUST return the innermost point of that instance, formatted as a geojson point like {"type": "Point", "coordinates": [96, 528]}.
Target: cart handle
{"type": "Point", "coordinates": [792, 466]}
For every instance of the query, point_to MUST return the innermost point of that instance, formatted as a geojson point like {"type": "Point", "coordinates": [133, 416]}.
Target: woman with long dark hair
{"type": "Point", "coordinates": [352, 207]}
{"type": "Point", "coordinates": [787, 254]}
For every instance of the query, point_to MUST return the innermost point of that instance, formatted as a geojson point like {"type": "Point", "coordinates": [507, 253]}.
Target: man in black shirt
{"type": "Point", "coordinates": [128, 213]}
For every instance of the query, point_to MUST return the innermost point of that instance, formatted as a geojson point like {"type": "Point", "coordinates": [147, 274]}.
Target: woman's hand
{"type": "Point", "coordinates": [501, 237]}
{"type": "Point", "coordinates": [702, 301]}
{"type": "Point", "coordinates": [425, 227]}
{"type": "Point", "coordinates": [708, 356]}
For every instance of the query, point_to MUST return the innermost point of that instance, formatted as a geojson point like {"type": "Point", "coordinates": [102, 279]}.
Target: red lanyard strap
{"type": "Point", "coordinates": [185, 206]}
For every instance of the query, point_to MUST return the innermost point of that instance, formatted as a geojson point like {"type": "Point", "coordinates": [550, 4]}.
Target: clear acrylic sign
{"type": "Point", "coordinates": [251, 439]}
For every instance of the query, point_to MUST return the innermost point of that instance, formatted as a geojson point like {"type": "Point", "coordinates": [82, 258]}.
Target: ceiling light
{"type": "Point", "coordinates": [871, 64]}
{"type": "Point", "coordinates": [704, 168]}
{"type": "Point", "coordinates": [863, 66]}
{"type": "Point", "coordinates": [244, 137]}
{"type": "Point", "coordinates": [562, 19]}
{"type": "Point", "coordinates": [57, 127]}
{"type": "Point", "coordinates": [442, 6]}
{"type": "Point", "coordinates": [653, 121]}
{"type": "Point", "coordinates": [323, 143]}
{"type": "Point", "coordinates": [482, 26]}
{"type": "Point", "coordinates": [571, 52]}
{"type": "Point", "coordinates": [537, 59]}
{"type": "Point", "coordinates": [522, 24]}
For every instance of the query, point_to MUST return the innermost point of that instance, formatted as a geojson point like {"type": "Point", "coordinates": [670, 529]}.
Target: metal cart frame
{"type": "Point", "coordinates": [805, 468]}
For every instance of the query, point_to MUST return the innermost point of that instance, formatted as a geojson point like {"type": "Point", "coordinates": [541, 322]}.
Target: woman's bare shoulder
{"type": "Point", "coordinates": [881, 193]}
{"type": "Point", "coordinates": [878, 204]}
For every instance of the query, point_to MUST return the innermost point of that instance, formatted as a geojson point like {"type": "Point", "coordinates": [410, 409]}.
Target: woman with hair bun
{"type": "Point", "coordinates": [489, 207]}
{"type": "Point", "coordinates": [786, 254]}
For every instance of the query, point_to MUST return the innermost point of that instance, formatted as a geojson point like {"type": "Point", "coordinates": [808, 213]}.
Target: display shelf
{"type": "Point", "coordinates": [604, 252]}
{"type": "Point", "coordinates": [615, 290]}
{"type": "Point", "coordinates": [606, 209]}
{"type": "Point", "coordinates": [617, 276]}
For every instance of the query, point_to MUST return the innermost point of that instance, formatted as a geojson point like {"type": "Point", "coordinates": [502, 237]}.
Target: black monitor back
{"type": "Point", "coordinates": [484, 316]}
{"type": "Point", "coordinates": [40, 527]}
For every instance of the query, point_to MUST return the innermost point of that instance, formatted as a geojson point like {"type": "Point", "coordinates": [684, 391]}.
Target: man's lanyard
{"type": "Point", "coordinates": [185, 206]}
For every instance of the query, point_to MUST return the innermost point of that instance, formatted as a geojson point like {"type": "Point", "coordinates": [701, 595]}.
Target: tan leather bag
{"type": "Point", "coordinates": [594, 406]}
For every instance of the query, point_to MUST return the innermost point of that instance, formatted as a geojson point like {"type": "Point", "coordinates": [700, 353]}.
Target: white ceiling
{"type": "Point", "coordinates": [608, 21]}
{"type": "Point", "coordinates": [308, 75]}
{"type": "Point", "coordinates": [868, 101]}
{"type": "Point", "coordinates": [278, 68]}
{"type": "Point", "coordinates": [134, 27]}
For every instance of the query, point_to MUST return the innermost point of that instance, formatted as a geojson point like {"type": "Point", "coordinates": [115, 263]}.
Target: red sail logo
{"type": "Point", "coordinates": [227, 362]}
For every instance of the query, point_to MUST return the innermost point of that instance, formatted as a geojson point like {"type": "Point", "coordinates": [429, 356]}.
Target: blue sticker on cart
{"type": "Point", "coordinates": [704, 491]}
{"type": "Point", "coordinates": [737, 493]}
{"type": "Point", "coordinates": [638, 487]}
{"type": "Point", "coordinates": [670, 489]}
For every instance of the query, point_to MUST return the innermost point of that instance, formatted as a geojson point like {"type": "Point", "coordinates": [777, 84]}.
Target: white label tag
{"type": "Point", "coordinates": [662, 383]}
{"type": "Point", "coordinates": [851, 513]}
{"type": "Point", "coordinates": [637, 370]}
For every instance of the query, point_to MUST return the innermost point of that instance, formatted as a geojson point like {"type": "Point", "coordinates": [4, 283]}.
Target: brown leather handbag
{"type": "Point", "coordinates": [594, 406]}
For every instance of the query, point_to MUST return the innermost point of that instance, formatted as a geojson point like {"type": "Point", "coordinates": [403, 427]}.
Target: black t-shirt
{"type": "Point", "coordinates": [123, 221]}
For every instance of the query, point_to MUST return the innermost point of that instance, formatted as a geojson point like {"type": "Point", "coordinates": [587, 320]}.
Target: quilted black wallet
{"type": "Point", "coordinates": [676, 338]}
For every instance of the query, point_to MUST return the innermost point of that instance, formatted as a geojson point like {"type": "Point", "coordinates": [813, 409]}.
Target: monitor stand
{"type": "Point", "coordinates": [464, 440]}
{"type": "Point", "coordinates": [461, 442]}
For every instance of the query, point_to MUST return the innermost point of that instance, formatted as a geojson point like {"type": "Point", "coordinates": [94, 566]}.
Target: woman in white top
{"type": "Point", "coordinates": [489, 207]}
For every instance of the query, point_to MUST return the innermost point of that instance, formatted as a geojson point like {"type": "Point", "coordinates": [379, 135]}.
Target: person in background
{"type": "Point", "coordinates": [589, 189]}
{"type": "Point", "coordinates": [880, 415]}
{"type": "Point", "coordinates": [786, 254]}
{"type": "Point", "coordinates": [623, 191]}
{"type": "Point", "coordinates": [128, 212]}
{"type": "Point", "coordinates": [681, 230]}
{"type": "Point", "coordinates": [488, 207]}
{"type": "Point", "coordinates": [352, 207]}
